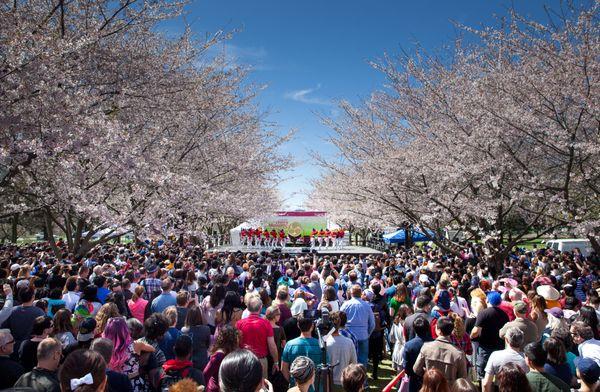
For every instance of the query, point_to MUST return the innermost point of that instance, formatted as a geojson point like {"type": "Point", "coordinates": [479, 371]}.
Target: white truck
{"type": "Point", "coordinates": [568, 244]}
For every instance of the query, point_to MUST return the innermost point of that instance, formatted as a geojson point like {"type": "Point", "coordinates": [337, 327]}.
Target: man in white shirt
{"type": "Point", "coordinates": [513, 339]}
{"type": "Point", "coordinates": [458, 304]}
{"type": "Point", "coordinates": [583, 335]}
{"type": "Point", "coordinates": [340, 349]}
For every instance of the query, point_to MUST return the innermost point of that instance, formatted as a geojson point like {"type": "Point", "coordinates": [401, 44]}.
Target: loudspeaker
{"type": "Point", "coordinates": [276, 250]}
{"type": "Point", "coordinates": [305, 250]}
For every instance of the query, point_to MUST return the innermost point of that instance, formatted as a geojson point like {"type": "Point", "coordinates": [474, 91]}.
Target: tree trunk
{"type": "Point", "coordinates": [69, 232]}
{"type": "Point", "coordinates": [496, 258]}
{"type": "Point", "coordinates": [14, 226]}
{"type": "Point", "coordinates": [595, 244]}
{"type": "Point", "coordinates": [50, 229]}
{"type": "Point", "coordinates": [45, 231]}
{"type": "Point", "coordinates": [408, 242]}
{"type": "Point", "coordinates": [77, 235]}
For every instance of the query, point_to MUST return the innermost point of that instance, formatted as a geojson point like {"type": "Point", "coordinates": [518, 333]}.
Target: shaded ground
{"type": "Point", "coordinates": [386, 374]}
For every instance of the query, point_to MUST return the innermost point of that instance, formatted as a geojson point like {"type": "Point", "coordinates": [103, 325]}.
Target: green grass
{"type": "Point", "coordinates": [26, 240]}
{"type": "Point", "coordinates": [386, 374]}
{"type": "Point", "coordinates": [530, 244]}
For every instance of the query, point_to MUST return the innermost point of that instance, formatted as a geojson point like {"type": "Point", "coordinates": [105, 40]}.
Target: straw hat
{"type": "Point", "coordinates": [548, 292]}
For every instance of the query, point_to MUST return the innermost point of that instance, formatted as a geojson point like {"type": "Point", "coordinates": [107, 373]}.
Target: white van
{"type": "Point", "coordinates": [567, 245]}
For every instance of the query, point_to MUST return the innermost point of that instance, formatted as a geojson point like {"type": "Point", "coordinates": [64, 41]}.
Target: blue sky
{"type": "Point", "coordinates": [312, 53]}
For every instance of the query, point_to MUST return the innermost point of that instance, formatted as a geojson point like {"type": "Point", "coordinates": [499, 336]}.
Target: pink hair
{"type": "Point", "coordinates": [117, 331]}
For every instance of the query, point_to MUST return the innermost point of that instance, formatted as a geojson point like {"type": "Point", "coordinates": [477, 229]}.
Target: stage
{"type": "Point", "coordinates": [296, 250]}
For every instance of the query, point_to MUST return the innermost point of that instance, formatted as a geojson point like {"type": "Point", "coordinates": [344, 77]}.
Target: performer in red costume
{"type": "Point", "coordinates": [273, 238]}
{"type": "Point", "coordinates": [267, 237]}
{"type": "Point", "coordinates": [327, 237]}
{"type": "Point", "coordinates": [321, 237]}
{"type": "Point", "coordinates": [282, 238]}
{"type": "Point", "coordinates": [340, 237]}
{"type": "Point", "coordinates": [258, 236]}
{"type": "Point", "coordinates": [251, 234]}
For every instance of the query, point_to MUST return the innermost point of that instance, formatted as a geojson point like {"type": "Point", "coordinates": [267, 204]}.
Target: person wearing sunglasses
{"type": "Point", "coordinates": [11, 370]}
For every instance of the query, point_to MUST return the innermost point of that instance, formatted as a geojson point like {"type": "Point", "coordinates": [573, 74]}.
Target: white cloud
{"type": "Point", "coordinates": [253, 57]}
{"type": "Point", "coordinates": [304, 96]}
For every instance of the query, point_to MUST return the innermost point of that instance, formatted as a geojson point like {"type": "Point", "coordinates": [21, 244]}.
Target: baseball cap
{"type": "Point", "coordinates": [494, 298]}
{"type": "Point", "coordinates": [15, 267]}
{"type": "Point", "coordinates": [588, 369]}
{"type": "Point", "coordinates": [86, 330]}
{"type": "Point", "coordinates": [298, 307]}
{"type": "Point", "coordinates": [369, 294]}
{"type": "Point", "coordinates": [556, 312]}
{"type": "Point", "coordinates": [520, 307]}
{"type": "Point", "coordinates": [22, 284]}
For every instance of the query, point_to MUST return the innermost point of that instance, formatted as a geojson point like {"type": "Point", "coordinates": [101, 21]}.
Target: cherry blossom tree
{"type": "Point", "coordinates": [506, 128]}
{"type": "Point", "coordinates": [108, 126]}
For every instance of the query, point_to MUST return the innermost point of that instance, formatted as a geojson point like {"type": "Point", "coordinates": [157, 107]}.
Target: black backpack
{"type": "Point", "coordinates": [172, 377]}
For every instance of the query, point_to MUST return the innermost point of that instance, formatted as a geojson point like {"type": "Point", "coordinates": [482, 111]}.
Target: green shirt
{"type": "Point", "coordinates": [544, 382]}
{"type": "Point", "coordinates": [395, 304]}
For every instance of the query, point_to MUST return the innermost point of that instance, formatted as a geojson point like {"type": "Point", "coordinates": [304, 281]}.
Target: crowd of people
{"type": "Point", "coordinates": [162, 316]}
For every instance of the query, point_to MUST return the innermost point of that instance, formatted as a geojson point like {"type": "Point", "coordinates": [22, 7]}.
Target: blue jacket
{"type": "Point", "coordinates": [411, 352]}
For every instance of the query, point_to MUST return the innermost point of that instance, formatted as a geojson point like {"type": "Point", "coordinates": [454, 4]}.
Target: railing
{"type": "Point", "coordinates": [395, 380]}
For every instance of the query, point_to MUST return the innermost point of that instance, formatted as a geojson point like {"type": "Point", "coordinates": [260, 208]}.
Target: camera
{"type": "Point", "coordinates": [320, 318]}
{"type": "Point", "coordinates": [312, 314]}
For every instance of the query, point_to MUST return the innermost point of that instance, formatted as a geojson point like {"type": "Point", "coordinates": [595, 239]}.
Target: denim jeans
{"type": "Point", "coordinates": [363, 352]}
{"type": "Point", "coordinates": [483, 354]}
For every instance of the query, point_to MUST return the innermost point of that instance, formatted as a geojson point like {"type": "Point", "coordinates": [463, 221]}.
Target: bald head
{"type": "Point", "coordinates": [47, 348]}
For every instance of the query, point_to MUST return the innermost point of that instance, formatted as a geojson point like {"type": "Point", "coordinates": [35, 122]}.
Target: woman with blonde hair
{"type": "Point", "coordinates": [477, 305]}
{"type": "Point", "coordinates": [137, 304]}
{"type": "Point", "coordinates": [538, 314]}
{"type": "Point", "coordinates": [106, 312]}
{"type": "Point", "coordinates": [24, 272]}
{"type": "Point", "coordinates": [481, 295]}
{"type": "Point", "coordinates": [459, 337]}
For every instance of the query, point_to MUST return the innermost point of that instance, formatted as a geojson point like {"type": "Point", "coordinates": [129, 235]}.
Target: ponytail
{"type": "Point", "coordinates": [138, 293]}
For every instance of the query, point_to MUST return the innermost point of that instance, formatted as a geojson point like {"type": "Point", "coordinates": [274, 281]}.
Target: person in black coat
{"type": "Point", "coordinates": [11, 370]}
